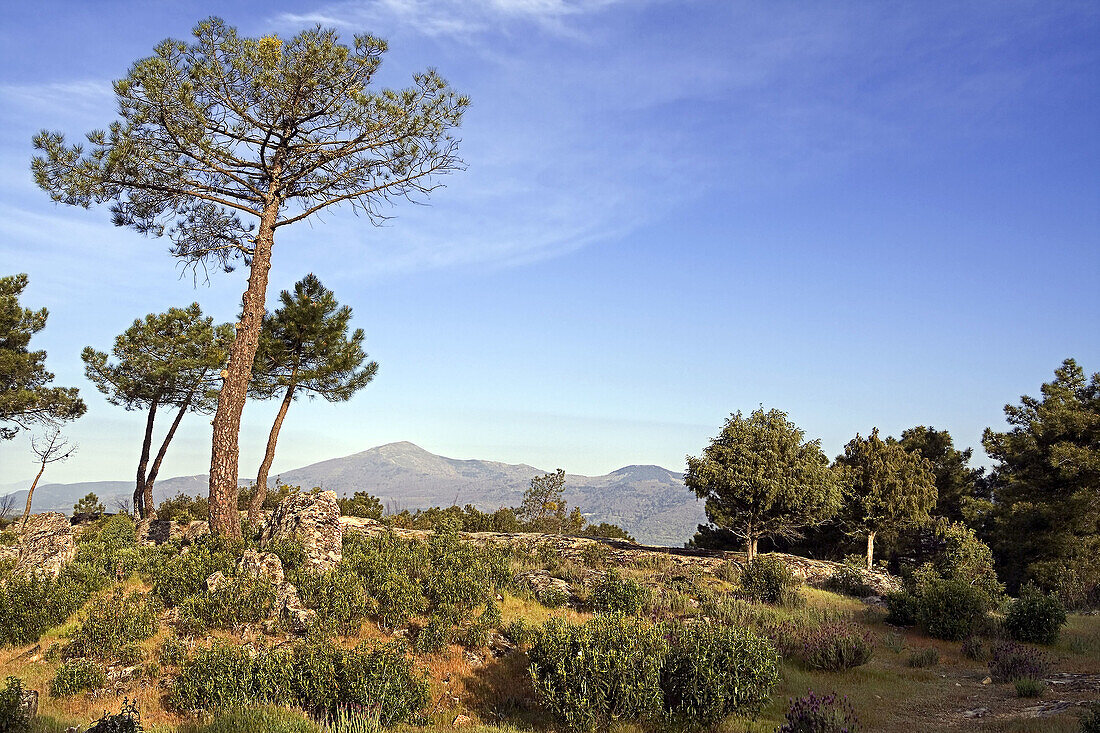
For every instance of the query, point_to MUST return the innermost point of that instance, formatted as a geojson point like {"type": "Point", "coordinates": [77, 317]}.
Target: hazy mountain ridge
{"type": "Point", "coordinates": [651, 502]}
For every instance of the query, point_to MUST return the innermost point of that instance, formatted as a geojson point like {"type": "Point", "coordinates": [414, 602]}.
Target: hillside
{"type": "Point", "coordinates": [649, 501]}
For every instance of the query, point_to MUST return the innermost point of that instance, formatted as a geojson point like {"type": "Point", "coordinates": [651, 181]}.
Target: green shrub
{"type": "Point", "coordinates": [183, 508]}
{"type": "Point", "coordinates": [1034, 617]}
{"type": "Point", "coordinates": [77, 675]}
{"type": "Point", "coordinates": [118, 532]}
{"type": "Point", "coordinates": [949, 609]}
{"type": "Point", "coordinates": [520, 632]}
{"type": "Point", "coordinates": [178, 574]}
{"type": "Point", "coordinates": [616, 594]}
{"type": "Point", "coordinates": [315, 675]}
{"type": "Point", "coordinates": [361, 504]}
{"type": "Point", "coordinates": [1030, 688]}
{"type": "Point", "coordinates": [926, 657]}
{"type": "Point", "coordinates": [767, 579]}
{"type": "Point", "coordinates": [1076, 582]}
{"type": "Point", "coordinates": [173, 652]}
{"type": "Point", "coordinates": [107, 627]}
{"type": "Point", "coordinates": [433, 637]}
{"type": "Point", "coordinates": [606, 669]}
{"type": "Point", "coordinates": [338, 596]}
{"type": "Point", "coordinates": [460, 576]}
{"type": "Point", "coordinates": [711, 672]}
{"type": "Point", "coordinates": [389, 569]}
{"type": "Point", "coordinates": [965, 558]}
{"type": "Point", "coordinates": [901, 608]}
{"type": "Point", "coordinates": [29, 606]}
{"type": "Point", "coordinates": [13, 716]}
{"type": "Point", "coordinates": [265, 718]}
{"type": "Point", "coordinates": [595, 555]}
{"type": "Point", "coordinates": [238, 600]}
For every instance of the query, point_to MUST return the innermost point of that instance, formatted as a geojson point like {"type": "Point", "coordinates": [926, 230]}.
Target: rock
{"type": "Point", "coordinates": [542, 584]}
{"type": "Point", "coordinates": [462, 721]}
{"type": "Point", "coordinates": [195, 530]}
{"type": "Point", "coordinates": [289, 608]}
{"type": "Point", "coordinates": [158, 531]}
{"type": "Point", "coordinates": [264, 565]}
{"type": "Point", "coordinates": [313, 520]}
{"type": "Point", "coordinates": [976, 713]}
{"type": "Point", "coordinates": [215, 581]}
{"type": "Point", "coordinates": [987, 681]}
{"type": "Point", "coordinates": [46, 546]}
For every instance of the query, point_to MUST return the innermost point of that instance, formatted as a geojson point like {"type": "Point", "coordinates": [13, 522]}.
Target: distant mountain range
{"type": "Point", "coordinates": [650, 502]}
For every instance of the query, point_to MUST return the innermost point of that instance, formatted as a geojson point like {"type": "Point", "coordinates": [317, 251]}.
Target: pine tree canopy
{"type": "Point", "coordinates": [26, 399]}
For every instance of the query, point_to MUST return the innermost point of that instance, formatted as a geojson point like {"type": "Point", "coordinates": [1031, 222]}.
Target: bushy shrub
{"type": "Point", "coordinates": [389, 568]}
{"type": "Point", "coordinates": [1034, 617]}
{"type": "Point", "coordinates": [830, 646]}
{"type": "Point", "coordinates": [126, 720]}
{"type": "Point", "coordinates": [1075, 582]}
{"type": "Point", "coordinates": [616, 594]}
{"type": "Point", "coordinates": [338, 596]}
{"type": "Point", "coordinates": [1030, 688]}
{"type": "Point", "coordinates": [1010, 662]}
{"type": "Point", "coordinates": [520, 633]}
{"type": "Point", "coordinates": [14, 718]}
{"type": "Point", "coordinates": [118, 532]}
{"type": "Point", "coordinates": [177, 574]}
{"type": "Point", "coordinates": [315, 675]}
{"type": "Point", "coordinates": [77, 675]}
{"type": "Point", "coordinates": [768, 580]}
{"type": "Point", "coordinates": [926, 657]}
{"type": "Point", "coordinates": [714, 671]}
{"type": "Point", "coordinates": [965, 558]}
{"type": "Point", "coordinates": [605, 669]}
{"type": "Point", "coordinates": [238, 600]}
{"type": "Point", "coordinates": [107, 627]}
{"type": "Point", "coordinates": [901, 608]}
{"type": "Point", "coordinates": [460, 576]}
{"type": "Point", "coordinates": [824, 714]}
{"type": "Point", "coordinates": [183, 508]}
{"type": "Point", "coordinates": [29, 606]}
{"type": "Point", "coordinates": [433, 637]}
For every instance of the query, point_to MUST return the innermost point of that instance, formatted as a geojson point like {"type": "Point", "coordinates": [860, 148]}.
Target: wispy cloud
{"type": "Point", "coordinates": [461, 19]}
{"type": "Point", "coordinates": [73, 97]}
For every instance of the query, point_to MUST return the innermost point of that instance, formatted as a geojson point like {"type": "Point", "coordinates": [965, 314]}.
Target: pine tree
{"type": "Point", "coordinates": [26, 399]}
{"type": "Point", "coordinates": [885, 486]}
{"type": "Point", "coordinates": [544, 507]}
{"type": "Point", "coordinates": [760, 477]}
{"type": "Point", "coordinates": [165, 360]}
{"type": "Point", "coordinates": [224, 141]}
{"type": "Point", "coordinates": [305, 348]}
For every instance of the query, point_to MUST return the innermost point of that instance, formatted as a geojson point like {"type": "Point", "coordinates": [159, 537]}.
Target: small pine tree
{"type": "Point", "coordinates": [88, 505]}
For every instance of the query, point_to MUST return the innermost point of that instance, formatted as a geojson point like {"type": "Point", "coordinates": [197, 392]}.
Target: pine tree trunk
{"type": "Point", "coordinates": [750, 545]}
{"type": "Point", "coordinates": [30, 495]}
{"type": "Point", "coordinates": [870, 550]}
{"type": "Point", "coordinates": [151, 509]}
{"type": "Point", "coordinates": [754, 541]}
{"type": "Point", "coordinates": [140, 509]}
{"type": "Point", "coordinates": [258, 496]}
{"type": "Point", "coordinates": [225, 519]}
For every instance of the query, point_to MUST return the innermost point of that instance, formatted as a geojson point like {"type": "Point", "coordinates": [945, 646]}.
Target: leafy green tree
{"type": "Point", "coordinates": [25, 397]}
{"type": "Point", "coordinates": [361, 504]}
{"type": "Point", "coordinates": [760, 477]}
{"type": "Point", "coordinates": [165, 360]}
{"type": "Point", "coordinates": [88, 505]}
{"type": "Point", "coordinates": [885, 486]}
{"type": "Point", "coordinates": [224, 141]}
{"type": "Point", "coordinates": [544, 505]}
{"type": "Point", "coordinates": [305, 348]}
{"type": "Point", "coordinates": [958, 486]}
{"type": "Point", "coordinates": [1047, 479]}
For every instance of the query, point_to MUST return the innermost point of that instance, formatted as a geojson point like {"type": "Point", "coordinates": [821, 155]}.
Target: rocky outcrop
{"type": "Point", "coordinates": [620, 553]}
{"type": "Point", "coordinates": [46, 545]}
{"type": "Point", "coordinates": [264, 565]}
{"type": "Point", "coordinates": [548, 589]}
{"type": "Point", "coordinates": [313, 520]}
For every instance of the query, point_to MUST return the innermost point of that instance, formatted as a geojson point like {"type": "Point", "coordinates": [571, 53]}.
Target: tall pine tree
{"type": "Point", "coordinates": [165, 360]}
{"type": "Point", "coordinates": [305, 348]}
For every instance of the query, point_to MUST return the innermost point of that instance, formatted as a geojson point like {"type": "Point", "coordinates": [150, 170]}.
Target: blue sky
{"type": "Point", "coordinates": [865, 214]}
